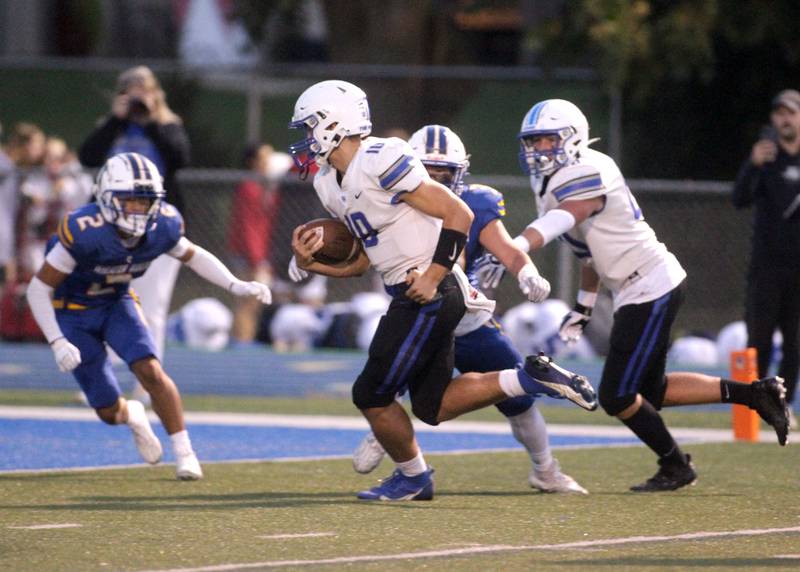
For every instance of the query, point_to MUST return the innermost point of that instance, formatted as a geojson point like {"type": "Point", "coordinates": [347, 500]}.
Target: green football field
{"type": "Point", "coordinates": [743, 514]}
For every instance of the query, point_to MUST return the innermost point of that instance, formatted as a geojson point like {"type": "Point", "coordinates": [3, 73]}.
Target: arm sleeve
{"type": "Point", "coordinates": [211, 268]}
{"type": "Point", "coordinates": [746, 186]}
{"type": "Point", "coordinates": [94, 150]}
{"type": "Point", "coordinates": [172, 142]}
{"type": "Point", "coordinates": [40, 298]}
{"type": "Point", "coordinates": [180, 248]}
{"type": "Point", "coordinates": [60, 259]}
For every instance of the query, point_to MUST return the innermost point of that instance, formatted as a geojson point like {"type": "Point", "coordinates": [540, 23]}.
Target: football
{"type": "Point", "coordinates": [338, 244]}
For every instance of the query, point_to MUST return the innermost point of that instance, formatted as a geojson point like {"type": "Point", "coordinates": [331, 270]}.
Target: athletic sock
{"type": "Point", "coordinates": [648, 426]}
{"type": "Point", "coordinates": [529, 429]}
{"type": "Point", "coordinates": [413, 467]}
{"type": "Point", "coordinates": [510, 384]}
{"type": "Point", "coordinates": [735, 392]}
{"type": "Point", "coordinates": [181, 444]}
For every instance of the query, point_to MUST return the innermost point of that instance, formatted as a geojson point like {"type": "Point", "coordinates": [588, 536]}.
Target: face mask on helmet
{"type": "Point", "coordinates": [443, 154]}
{"type": "Point", "coordinates": [327, 112]}
{"type": "Point", "coordinates": [129, 193]}
{"type": "Point", "coordinates": [552, 135]}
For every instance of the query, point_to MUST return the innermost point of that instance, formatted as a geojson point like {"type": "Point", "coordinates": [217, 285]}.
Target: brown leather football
{"type": "Point", "coordinates": [338, 244]}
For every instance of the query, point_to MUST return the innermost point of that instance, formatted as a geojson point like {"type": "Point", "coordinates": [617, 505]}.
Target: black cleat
{"type": "Point", "coordinates": [669, 477]}
{"type": "Point", "coordinates": [769, 400]}
{"type": "Point", "coordinates": [542, 376]}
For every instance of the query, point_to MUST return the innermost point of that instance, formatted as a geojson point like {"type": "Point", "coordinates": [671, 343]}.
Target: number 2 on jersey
{"type": "Point", "coordinates": [360, 227]}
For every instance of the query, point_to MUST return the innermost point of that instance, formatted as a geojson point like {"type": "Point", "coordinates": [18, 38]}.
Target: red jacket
{"type": "Point", "coordinates": [253, 213]}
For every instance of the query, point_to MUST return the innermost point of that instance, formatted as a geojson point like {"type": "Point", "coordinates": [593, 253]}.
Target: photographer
{"type": "Point", "coordinates": [141, 122]}
{"type": "Point", "coordinates": [770, 179]}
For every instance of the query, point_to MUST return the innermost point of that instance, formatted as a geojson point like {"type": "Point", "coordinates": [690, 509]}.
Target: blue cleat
{"type": "Point", "coordinates": [540, 376]}
{"type": "Point", "coordinates": [399, 487]}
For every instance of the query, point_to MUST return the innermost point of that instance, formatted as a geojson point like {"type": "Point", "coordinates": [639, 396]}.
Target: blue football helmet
{"type": "Point", "coordinates": [124, 177]}
{"type": "Point", "coordinates": [552, 117]}
{"type": "Point", "coordinates": [439, 146]}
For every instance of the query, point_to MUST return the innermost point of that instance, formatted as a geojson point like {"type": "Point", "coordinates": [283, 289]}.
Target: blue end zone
{"type": "Point", "coordinates": [43, 444]}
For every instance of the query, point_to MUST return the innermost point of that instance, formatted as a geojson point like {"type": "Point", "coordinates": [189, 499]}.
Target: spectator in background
{"type": "Point", "coordinates": [47, 192]}
{"type": "Point", "coordinates": [141, 122]}
{"type": "Point", "coordinates": [770, 180]}
{"type": "Point", "coordinates": [253, 213]}
{"type": "Point", "coordinates": [8, 214]}
{"type": "Point", "coordinates": [37, 215]}
{"type": "Point", "coordinates": [24, 154]}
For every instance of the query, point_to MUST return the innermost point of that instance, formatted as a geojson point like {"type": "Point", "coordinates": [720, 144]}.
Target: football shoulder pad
{"type": "Point", "coordinates": [576, 182]}
{"type": "Point", "coordinates": [484, 199]}
{"type": "Point", "coordinates": [170, 222]}
{"type": "Point", "coordinates": [393, 164]}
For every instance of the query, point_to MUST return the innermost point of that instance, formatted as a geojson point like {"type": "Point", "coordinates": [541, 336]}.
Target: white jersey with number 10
{"type": "Point", "coordinates": [396, 237]}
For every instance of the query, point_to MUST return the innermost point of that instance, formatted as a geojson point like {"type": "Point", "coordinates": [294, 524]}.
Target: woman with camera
{"type": "Point", "coordinates": [141, 122]}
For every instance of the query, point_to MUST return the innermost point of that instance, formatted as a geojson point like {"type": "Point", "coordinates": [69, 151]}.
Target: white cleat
{"type": "Point", "coordinates": [187, 468]}
{"type": "Point", "coordinates": [368, 455]}
{"type": "Point", "coordinates": [792, 421]}
{"type": "Point", "coordinates": [552, 480]}
{"type": "Point", "coordinates": [146, 441]}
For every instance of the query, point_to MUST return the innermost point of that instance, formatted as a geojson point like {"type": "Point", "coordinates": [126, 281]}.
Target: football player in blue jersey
{"type": "Point", "coordinates": [480, 344]}
{"type": "Point", "coordinates": [82, 300]}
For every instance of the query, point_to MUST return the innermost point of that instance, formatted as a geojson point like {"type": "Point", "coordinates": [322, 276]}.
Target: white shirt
{"type": "Point", "coordinates": [396, 236]}
{"type": "Point", "coordinates": [616, 241]}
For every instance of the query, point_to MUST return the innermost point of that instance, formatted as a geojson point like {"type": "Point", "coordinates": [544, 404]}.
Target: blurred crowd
{"type": "Point", "coordinates": [40, 181]}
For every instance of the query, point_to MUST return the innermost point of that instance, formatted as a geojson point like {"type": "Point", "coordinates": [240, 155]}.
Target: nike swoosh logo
{"type": "Point", "coordinates": [452, 257]}
{"type": "Point", "coordinates": [358, 194]}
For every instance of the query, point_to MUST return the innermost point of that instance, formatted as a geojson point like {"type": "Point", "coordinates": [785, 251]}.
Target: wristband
{"type": "Point", "coordinates": [586, 299]}
{"type": "Point", "coordinates": [451, 243]}
{"type": "Point", "coordinates": [522, 243]}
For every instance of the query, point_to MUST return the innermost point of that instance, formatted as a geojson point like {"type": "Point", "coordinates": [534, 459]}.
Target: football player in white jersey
{"type": "Point", "coordinates": [413, 230]}
{"type": "Point", "coordinates": [481, 344]}
{"type": "Point", "coordinates": [582, 198]}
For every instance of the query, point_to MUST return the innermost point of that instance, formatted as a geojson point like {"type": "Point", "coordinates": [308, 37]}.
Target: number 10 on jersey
{"type": "Point", "coordinates": [360, 227]}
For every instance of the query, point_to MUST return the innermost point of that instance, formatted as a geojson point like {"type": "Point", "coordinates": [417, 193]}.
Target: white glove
{"type": "Point", "coordinates": [68, 357]}
{"type": "Point", "coordinates": [489, 271]}
{"type": "Point", "coordinates": [257, 289]}
{"type": "Point", "coordinates": [533, 285]}
{"type": "Point", "coordinates": [573, 323]}
{"type": "Point", "coordinates": [296, 273]}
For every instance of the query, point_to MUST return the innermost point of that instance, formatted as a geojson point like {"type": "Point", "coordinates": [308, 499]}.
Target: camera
{"type": "Point", "coordinates": [769, 133]}
{"type": "Point", "coordinates": [137, 107]}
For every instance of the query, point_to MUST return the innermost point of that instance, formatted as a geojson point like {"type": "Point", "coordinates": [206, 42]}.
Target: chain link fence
{"type": "Point", "coordinates": [693, 218]}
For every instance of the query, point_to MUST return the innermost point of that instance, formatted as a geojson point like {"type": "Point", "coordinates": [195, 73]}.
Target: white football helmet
{"type": "Point", "coordinates": [557, 117]}
{"type": "Point", "coordinates": [129, 176]}
{"type": "Point", "coordinates": [328, 112]}
{"type": "Point", "coordinates": [439, 146]}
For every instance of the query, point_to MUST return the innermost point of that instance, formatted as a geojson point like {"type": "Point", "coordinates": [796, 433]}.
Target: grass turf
{"type": "Point", "coordinates": [142, 519]}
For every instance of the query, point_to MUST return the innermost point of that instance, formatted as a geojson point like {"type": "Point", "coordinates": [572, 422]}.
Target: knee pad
{"type": "Point", "coordinates": [514, 406]}
{"type": "Point", "coordinates": [614, 404]}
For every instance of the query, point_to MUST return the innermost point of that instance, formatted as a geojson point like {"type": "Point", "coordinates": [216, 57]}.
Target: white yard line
{"type": "Point", "coordinates": [46, 526]}
{"type": "Point", "coordinates": [292, 536]}
{"type": "Point", "coordinates": [484, 550]}
{"type": "Point", "coordinates": [359, 423]}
